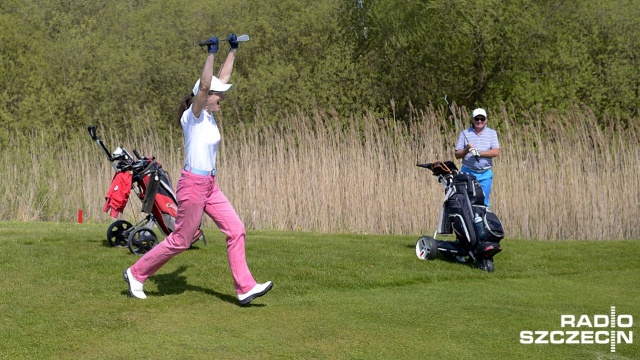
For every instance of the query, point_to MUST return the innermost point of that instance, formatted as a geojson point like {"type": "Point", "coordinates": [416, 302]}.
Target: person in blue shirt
{"type": "Point", "coordinates": [477, 145]}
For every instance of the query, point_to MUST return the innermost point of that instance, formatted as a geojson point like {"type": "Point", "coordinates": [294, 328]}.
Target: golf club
{"type": "Point", "coordinates": [240, 38]}
{"type": "Point", "coordinates": [473, 151]}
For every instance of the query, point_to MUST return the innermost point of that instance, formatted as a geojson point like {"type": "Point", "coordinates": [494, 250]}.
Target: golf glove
{"type": "Point", "coordinates": [474, 152]}
{"type": "Point", "coordinates": [233, 41]}
{"type": "Point", "coordinates": [212, 45]}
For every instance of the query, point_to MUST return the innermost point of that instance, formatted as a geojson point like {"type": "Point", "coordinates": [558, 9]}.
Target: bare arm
{"type": "Point", "coordinates": [485, 154]}
{"type": "Point", "coordinates": [227, 68]}
{"type": "Point", "coordinates": [459, 154]}
{"type": "Point", "coordinates": [200, 100]}
{"type": "Point", "coordinates": [490, 153]}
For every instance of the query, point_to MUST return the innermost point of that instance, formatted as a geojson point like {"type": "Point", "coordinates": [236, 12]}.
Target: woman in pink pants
{"type": "Point", "coordinates": [197, 190]}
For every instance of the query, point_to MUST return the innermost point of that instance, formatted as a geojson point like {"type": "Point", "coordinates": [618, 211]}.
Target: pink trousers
{"type": "Point", "coordinates": [197, 194]}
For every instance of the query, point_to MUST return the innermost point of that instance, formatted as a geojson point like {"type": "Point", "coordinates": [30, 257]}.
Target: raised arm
{"type": "Point", "coordinates": [227, 67]}
{"type": "Point", "coordinates": [200, 100]}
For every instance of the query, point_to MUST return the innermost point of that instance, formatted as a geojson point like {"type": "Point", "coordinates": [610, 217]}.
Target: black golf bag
{"type": "Point", "coordinates": [477, 229]}
{"type": "Point", "coordinates": [462, 208]}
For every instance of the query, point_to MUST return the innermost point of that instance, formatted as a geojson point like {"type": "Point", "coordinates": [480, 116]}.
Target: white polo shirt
{"type": "Point", "coordinates": [201, 138]}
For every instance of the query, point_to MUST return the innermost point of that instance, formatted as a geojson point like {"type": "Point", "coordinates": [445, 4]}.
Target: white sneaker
{"type": "Point", "coordinates": [135, 286]}
{"type": "Point", "coordinates": [257, 291]}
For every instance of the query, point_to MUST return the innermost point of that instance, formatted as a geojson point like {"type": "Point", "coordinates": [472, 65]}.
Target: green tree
{"type": "Point", "coordinates": [487, 52]}
{"type": "Point", "coordinates": [425, 49]}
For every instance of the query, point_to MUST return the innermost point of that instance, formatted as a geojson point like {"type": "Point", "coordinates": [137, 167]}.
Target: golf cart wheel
{"type": "Point", "coordinates": [117, 233]}
{"type": "Point", "coordinates": [426, 248]}
{"type": "Point", "coordinates": [142, 240]}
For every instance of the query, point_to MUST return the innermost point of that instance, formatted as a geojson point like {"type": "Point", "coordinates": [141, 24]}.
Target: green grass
{"type": "Point", "coordinates": [335, 297]}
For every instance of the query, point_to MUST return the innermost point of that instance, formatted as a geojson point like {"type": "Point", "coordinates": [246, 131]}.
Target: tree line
{"type": "Point", "coordinates": [67, 63]}
{"type": "Point", "coordinates": [484, 52]}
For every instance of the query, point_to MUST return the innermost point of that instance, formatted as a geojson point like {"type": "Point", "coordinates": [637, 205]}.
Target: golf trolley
{"type": "Point", "coordinates": [152, 186]}
{"type": "Point", "coordinates": [478, 231]}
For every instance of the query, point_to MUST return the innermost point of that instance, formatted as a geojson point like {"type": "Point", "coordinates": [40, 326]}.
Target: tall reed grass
{"type": "Point", "coordinates": [559, 176]}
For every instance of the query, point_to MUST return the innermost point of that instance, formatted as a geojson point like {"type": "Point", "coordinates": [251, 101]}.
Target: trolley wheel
{"type": "Point", "coordinates": [117, 233]}
{"type": "Point", "coordinates": [485, 264]}
{"type": "Point", "coordinates": [142, 240]}
{"type": "Point", "coordinates": [426, 248]}
{"type": "Point", "coordinates": [489, 266]}
{"type": "Point", "coordinates": [199, 236]}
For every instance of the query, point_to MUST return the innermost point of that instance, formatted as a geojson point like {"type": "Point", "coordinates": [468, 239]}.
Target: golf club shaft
{"type": "Point", "coordinates": [454, 116]}
{"type": "Point", "coordinates": [240, 38]}
{"type": "Point", "coordinates": [456, 120]}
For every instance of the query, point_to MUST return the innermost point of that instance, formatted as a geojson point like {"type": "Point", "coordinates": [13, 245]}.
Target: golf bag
{"type": "Point", "coordinates": [152, 185]}
{"type": "Point", "coordinates": [477, 230]}
{"type": "Point", "coordinates": [461, 209]}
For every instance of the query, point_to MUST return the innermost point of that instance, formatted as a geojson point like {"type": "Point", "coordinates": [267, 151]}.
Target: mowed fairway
{"type": "Point", "coordinates": [335, 297]}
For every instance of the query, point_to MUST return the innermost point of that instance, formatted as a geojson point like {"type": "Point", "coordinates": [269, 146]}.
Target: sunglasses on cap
{"type": "Point", "coordinates": [480, 118]}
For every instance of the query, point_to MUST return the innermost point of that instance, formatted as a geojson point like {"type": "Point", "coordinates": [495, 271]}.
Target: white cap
{"type": "Point", "coordinates": [216, 85]}
{"type": "Point", "coordinates": [478, 112]}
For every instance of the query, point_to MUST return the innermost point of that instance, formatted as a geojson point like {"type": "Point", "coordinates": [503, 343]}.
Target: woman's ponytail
{"type": "Point", "coordinates": [184, 105]}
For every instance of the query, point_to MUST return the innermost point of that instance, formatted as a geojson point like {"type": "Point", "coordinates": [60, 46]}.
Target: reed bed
{"type": "Point", "coordinates": [559, 176]}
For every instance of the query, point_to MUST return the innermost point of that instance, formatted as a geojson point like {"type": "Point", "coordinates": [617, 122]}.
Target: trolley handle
{"type": "Point", "coordinates": [92, 132]}
{"type": "Point", "coordinates": [149, 167]}
{"type": "Point", "coordinates": [94, 137]}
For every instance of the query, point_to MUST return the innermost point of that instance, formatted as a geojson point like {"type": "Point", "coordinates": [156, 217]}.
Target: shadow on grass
{"type": "Point", "coordinates": [176, 283]}
{"type": "Point", "coordinates": [124, 245]}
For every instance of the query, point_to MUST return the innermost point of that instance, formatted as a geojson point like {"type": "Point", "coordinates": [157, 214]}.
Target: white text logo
{"type": "Point", "coordinates": [609, 329]}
